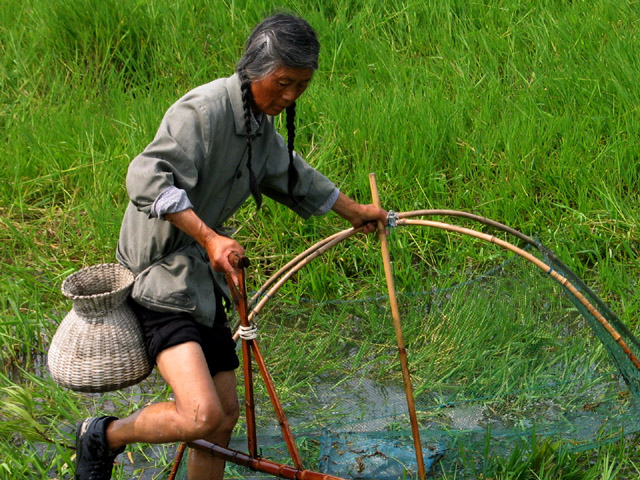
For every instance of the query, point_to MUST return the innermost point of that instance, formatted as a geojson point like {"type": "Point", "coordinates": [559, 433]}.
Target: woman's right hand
{"type": "Point", "coordinates": [218, 247]}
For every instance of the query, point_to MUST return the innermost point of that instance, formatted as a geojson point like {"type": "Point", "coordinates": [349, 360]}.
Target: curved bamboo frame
{"type": "Point", "coordinates": [281, 276]}
{"type": "Point", "coordinates": [277, 280]}
{"type": "Point", "coordinates": [273, 284]}
{"type": "Point", "coordinates": [544, 267]}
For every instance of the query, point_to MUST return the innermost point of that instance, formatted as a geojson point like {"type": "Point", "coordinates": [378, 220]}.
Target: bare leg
{"type": "Point", "coordinates": [202, 464]}
{"type": "Point", "coordinates": [200, 409]}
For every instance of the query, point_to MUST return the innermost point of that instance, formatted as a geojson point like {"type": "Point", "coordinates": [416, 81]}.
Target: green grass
{"type": "Point", "coordinates": [526, 113]}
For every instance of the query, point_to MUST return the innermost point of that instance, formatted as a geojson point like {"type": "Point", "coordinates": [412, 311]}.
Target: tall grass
{"type": "Point", "coordinates": [523, 112]}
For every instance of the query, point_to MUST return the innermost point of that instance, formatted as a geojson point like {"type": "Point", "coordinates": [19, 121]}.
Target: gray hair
{"type": "Point", "coordinates": [281, 40]}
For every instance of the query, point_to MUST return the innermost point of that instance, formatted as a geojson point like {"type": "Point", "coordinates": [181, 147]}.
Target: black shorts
{"type": "Point", "coordinates": [162, 330]}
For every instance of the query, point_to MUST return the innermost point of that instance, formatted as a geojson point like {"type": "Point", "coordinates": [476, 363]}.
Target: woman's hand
{"type": "Point", "coordinates": [218, 247]}
{"type": "Point", "coordinates": [358, 215]}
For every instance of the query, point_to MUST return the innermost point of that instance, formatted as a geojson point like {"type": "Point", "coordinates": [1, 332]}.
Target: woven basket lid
{"type": "Point", "coordinates": [99, 345]}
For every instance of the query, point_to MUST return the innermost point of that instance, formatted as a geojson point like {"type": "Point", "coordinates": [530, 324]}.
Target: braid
{"type": "Point", "coordinates": [291, 137]}
{"type": "Point", "coordinates": [245, 86]}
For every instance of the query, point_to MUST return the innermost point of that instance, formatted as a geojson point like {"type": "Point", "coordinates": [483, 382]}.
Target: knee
{"type": "Point", "coordinates": [210, 421]}
{"type": "Point", "coordinates": [201, 422]}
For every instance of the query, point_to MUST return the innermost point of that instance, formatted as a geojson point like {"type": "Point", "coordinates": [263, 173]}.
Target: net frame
{"type": "Point", "coordinates": [615, 336]}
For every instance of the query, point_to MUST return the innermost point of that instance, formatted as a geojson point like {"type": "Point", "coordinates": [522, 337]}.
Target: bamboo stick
{"type": "Point", "coordinates": [239, 299]}
{"type": "Point", "coordinates": [260, 464]}
{"type": "Point", "coordinates": [177, 460]}
{"type": "Point", "coordinates": [277, 406]}
{"type": "Point", "coordinates": [395, 312]}
{"type": "Point", "coordinates": [248, 347]}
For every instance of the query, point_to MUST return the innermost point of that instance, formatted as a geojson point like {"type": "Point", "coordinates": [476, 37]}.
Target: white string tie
{"type": "Point", "coordinates": [248, 333]}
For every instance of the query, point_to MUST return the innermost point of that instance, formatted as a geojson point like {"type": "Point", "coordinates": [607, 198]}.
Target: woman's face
{"type": "Point", "coordinates": [275, 92]}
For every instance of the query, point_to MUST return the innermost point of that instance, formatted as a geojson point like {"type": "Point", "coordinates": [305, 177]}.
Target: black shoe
{"type": "Point", "coordinates": [94, 460]}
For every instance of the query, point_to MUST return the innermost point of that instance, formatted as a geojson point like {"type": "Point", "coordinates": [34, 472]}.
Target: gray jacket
{"type": "Point", "coordinates": [201, 147]}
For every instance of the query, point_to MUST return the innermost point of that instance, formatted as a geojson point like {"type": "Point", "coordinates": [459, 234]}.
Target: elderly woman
{"type": "Point", "coordinates": [215, 146]}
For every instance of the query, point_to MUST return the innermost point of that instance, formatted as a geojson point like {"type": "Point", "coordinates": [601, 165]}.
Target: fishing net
{"type": "Point", "coordinates": [500, 355]}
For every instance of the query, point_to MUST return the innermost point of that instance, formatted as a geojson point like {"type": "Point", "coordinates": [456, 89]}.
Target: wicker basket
{"type": "Point", "coordinates": [98, 346]}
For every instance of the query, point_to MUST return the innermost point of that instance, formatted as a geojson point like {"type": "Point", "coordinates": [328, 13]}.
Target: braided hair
{"type": "Point", "coordinates": [291, 137]}
{"type": "Point", "coordinates": [281, 40]}
{"type": "Point", "coordinates": [245, 87]}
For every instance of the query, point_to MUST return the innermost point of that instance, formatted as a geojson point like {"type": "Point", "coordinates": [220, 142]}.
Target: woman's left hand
{"type": "Point", "coordinates": [359, 215]}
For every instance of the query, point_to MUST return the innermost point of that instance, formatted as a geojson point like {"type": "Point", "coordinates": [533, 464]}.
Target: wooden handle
{"type": "Point", "coordinates": [237, 261]}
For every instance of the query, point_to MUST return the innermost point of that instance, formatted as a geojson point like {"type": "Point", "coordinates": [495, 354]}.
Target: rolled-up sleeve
{"type": "Point", "coordinates": [172, 200]}
{"type": "Point", "coordinates": [328, 203]}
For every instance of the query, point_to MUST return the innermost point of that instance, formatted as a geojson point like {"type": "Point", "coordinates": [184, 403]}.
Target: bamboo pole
{"type": "Point", "coordinates": [176, 462]}
{"type": "Point", "coordinates": [277, 407]}
{"type": "Point", "coordinates": [260, 464]}
{"type": "Point", "coordinates": [395, 312]}
{"type": "Point", "coordinates": [239, 295]}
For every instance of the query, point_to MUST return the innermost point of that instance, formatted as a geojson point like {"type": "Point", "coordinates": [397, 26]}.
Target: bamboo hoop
{"type": "Point", "coordinates": [322, 246]}
{"type": "Point", "coordinates": [285, 273]}
{"type": "Point", "coordinates": [470, 216]}
{"type": "Point", "coordinates": [293, 262]}
{"type": "Point", "coordinates": [276, 281]}
{"type": "Point", "coordinates": [544, 267]}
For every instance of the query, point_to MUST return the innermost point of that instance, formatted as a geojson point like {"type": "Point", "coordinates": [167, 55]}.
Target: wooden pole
{"type": "Point", "coordinates": [176, 462]}
{"type": "Point", "coordinates": [277, 407]}
{"type": "Point", "coordinates": [238, 293]}
{"type": "Point", "coordinates": [260, 464]}
{"type": "Point", "coordinates": [395, 312]}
